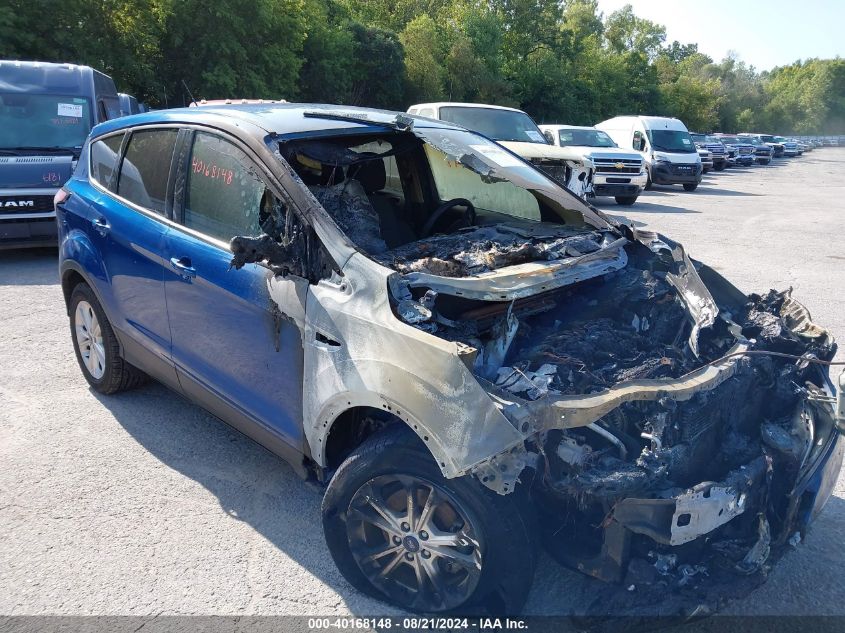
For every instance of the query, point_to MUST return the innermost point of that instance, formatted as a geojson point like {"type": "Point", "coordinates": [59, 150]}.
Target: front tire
{"type": "Point", "coordinates": [690, 186]}
{"type": "Point", "coordinates": [626, 201]}
{"type": "Point", "coordinates": [400, 532]}
{"type": "Point", "coordinates": [96, 346]}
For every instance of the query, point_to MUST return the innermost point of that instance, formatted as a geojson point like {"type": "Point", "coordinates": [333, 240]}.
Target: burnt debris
{"type": "Point", "coordinates": [482, 249]}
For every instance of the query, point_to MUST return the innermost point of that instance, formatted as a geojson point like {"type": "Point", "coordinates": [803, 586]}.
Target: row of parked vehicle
{"type": "Point", "coordinates": [622, 156]}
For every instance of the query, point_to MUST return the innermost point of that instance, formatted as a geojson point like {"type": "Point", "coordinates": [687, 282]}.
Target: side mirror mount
{"type": "Point", "coordinates": [549, 137]}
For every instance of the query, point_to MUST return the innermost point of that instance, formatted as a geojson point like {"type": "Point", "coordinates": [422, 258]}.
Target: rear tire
{"type": "Point", "coordinates": [626, 201]}
{"type": "Point", "coordinates": [96, 346]}
{"type": "Point", "coordinates": [690, 186]}
{"type": "Point", "coordinates": [720, 167]}
{"type": "Point", "coordinates": [489, 564]}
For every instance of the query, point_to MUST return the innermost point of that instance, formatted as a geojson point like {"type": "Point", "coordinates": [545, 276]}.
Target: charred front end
{"type": "Point", "coordinates": [663, 423]}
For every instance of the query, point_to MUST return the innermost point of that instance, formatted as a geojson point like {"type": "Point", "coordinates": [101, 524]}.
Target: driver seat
{"type": "Point", "coordinates": [395, 230]}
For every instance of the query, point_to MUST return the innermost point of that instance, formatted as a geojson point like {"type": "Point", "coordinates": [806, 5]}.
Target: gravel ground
{"type": "Point", "coordinates": [143, 504]}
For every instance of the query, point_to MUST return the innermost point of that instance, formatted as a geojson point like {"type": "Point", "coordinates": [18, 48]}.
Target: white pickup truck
{"type": "Point", "coordinates": [516, 131]}
{"type": "Point", "coordinates": [618, 173]}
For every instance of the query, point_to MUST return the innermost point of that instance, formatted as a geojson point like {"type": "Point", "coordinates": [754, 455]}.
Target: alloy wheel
{"type": "Point", "coordinates": [415, 542]}
{"type": "Point", "coordinates": [89, 340]}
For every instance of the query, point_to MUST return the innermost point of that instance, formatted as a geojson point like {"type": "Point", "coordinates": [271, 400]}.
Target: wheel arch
{"type": "Point", "coordinates": [80, 262]}
{"type": "Point", "coordinates": [73, 274]}
{"type": "Point", "coordinates": [344, 424]}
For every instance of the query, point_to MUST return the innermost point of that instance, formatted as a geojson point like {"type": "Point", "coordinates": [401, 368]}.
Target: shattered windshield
{"type": "Point", "coordinates": [676, 141]}
{"type": "Point", "coordinates": [500, 125]}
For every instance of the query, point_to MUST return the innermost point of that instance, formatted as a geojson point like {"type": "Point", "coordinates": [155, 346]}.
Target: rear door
{"type": "Point", "coordinates": [233, 352]}
{"type": "Point", "coordinates": [127, 223]}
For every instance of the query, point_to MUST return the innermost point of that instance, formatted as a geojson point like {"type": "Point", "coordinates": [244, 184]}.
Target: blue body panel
{"type": "Point", "coordinates": [226, 334]}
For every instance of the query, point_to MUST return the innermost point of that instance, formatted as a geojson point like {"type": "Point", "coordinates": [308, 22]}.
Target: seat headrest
{"type": "Point", "coordinates": [371, 174]}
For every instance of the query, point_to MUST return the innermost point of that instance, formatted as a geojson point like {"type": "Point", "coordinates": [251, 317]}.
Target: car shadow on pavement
{"type": "Point", "coordinates": [713, 189]}
{"type": "Point", "coordinates": [648, 207]}
{"type": "Point", "coordinates": [250, 483]}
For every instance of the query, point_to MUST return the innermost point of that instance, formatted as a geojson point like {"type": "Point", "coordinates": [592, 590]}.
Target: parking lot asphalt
{"type": "Point", "coordinates": [143, 504]}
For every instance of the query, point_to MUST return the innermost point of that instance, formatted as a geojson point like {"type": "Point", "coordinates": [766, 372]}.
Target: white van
{"type": "Point", "coordinates": [516, 131]}
{"type": "Point", "coordinates": [665, 144]}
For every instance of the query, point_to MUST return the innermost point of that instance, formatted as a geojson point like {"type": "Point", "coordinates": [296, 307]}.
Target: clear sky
{"type": "Point", "coordinates": [764, 33]}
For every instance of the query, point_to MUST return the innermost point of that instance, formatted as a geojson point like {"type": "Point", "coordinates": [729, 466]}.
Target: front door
{"type": "Point", "coordinates": [233, 351]}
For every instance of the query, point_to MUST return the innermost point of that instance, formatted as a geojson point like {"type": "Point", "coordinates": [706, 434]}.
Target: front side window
{"type": "Point", "coordinates": [225, 196]}
{"type": "Point", "coordinates": [104, 156]}
{"type": "Point", "coordinates": [638, 142]}
{"type": "Point", "coordinates": [110, 108]}
{"type": "Point", "coordinates": [145, 169]}
{"type": "Point", "coordinates": [43, 121]}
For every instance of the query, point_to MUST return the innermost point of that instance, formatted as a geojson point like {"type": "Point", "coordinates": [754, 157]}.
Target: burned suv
{"type": "Point", "coordinates": [470, 358]}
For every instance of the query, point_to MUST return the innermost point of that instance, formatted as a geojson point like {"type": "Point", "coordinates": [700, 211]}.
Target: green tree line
{"type": "Point", "coordinates": [561, 60]}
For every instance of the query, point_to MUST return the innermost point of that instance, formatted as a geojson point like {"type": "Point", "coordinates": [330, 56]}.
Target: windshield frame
{"type": "Point", "coordinates": [443, 139]}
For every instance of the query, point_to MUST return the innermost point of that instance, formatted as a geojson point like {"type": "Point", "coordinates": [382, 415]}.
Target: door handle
{"type": "Point", "coordinates": [182, 265]}
{"type": "Point", "coordinates": [101, 225]}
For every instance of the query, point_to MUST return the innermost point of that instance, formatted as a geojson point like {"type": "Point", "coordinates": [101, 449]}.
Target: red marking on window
{"type": "Point", "coordinates": [212, 171]}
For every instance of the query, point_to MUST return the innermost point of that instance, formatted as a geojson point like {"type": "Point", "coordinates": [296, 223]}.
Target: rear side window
{"type": "Point", "coordinates": [146, 168]}
{"type": "Point", "coordinates": [224, 196]}
{"type": "Point", "coordinates": [104, 155]}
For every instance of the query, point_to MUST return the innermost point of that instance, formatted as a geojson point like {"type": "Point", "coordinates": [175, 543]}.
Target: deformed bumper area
{"type": "Point", "coordinates": [686, 552]}
{"type": "Point", "coordinates": [682, 440]}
